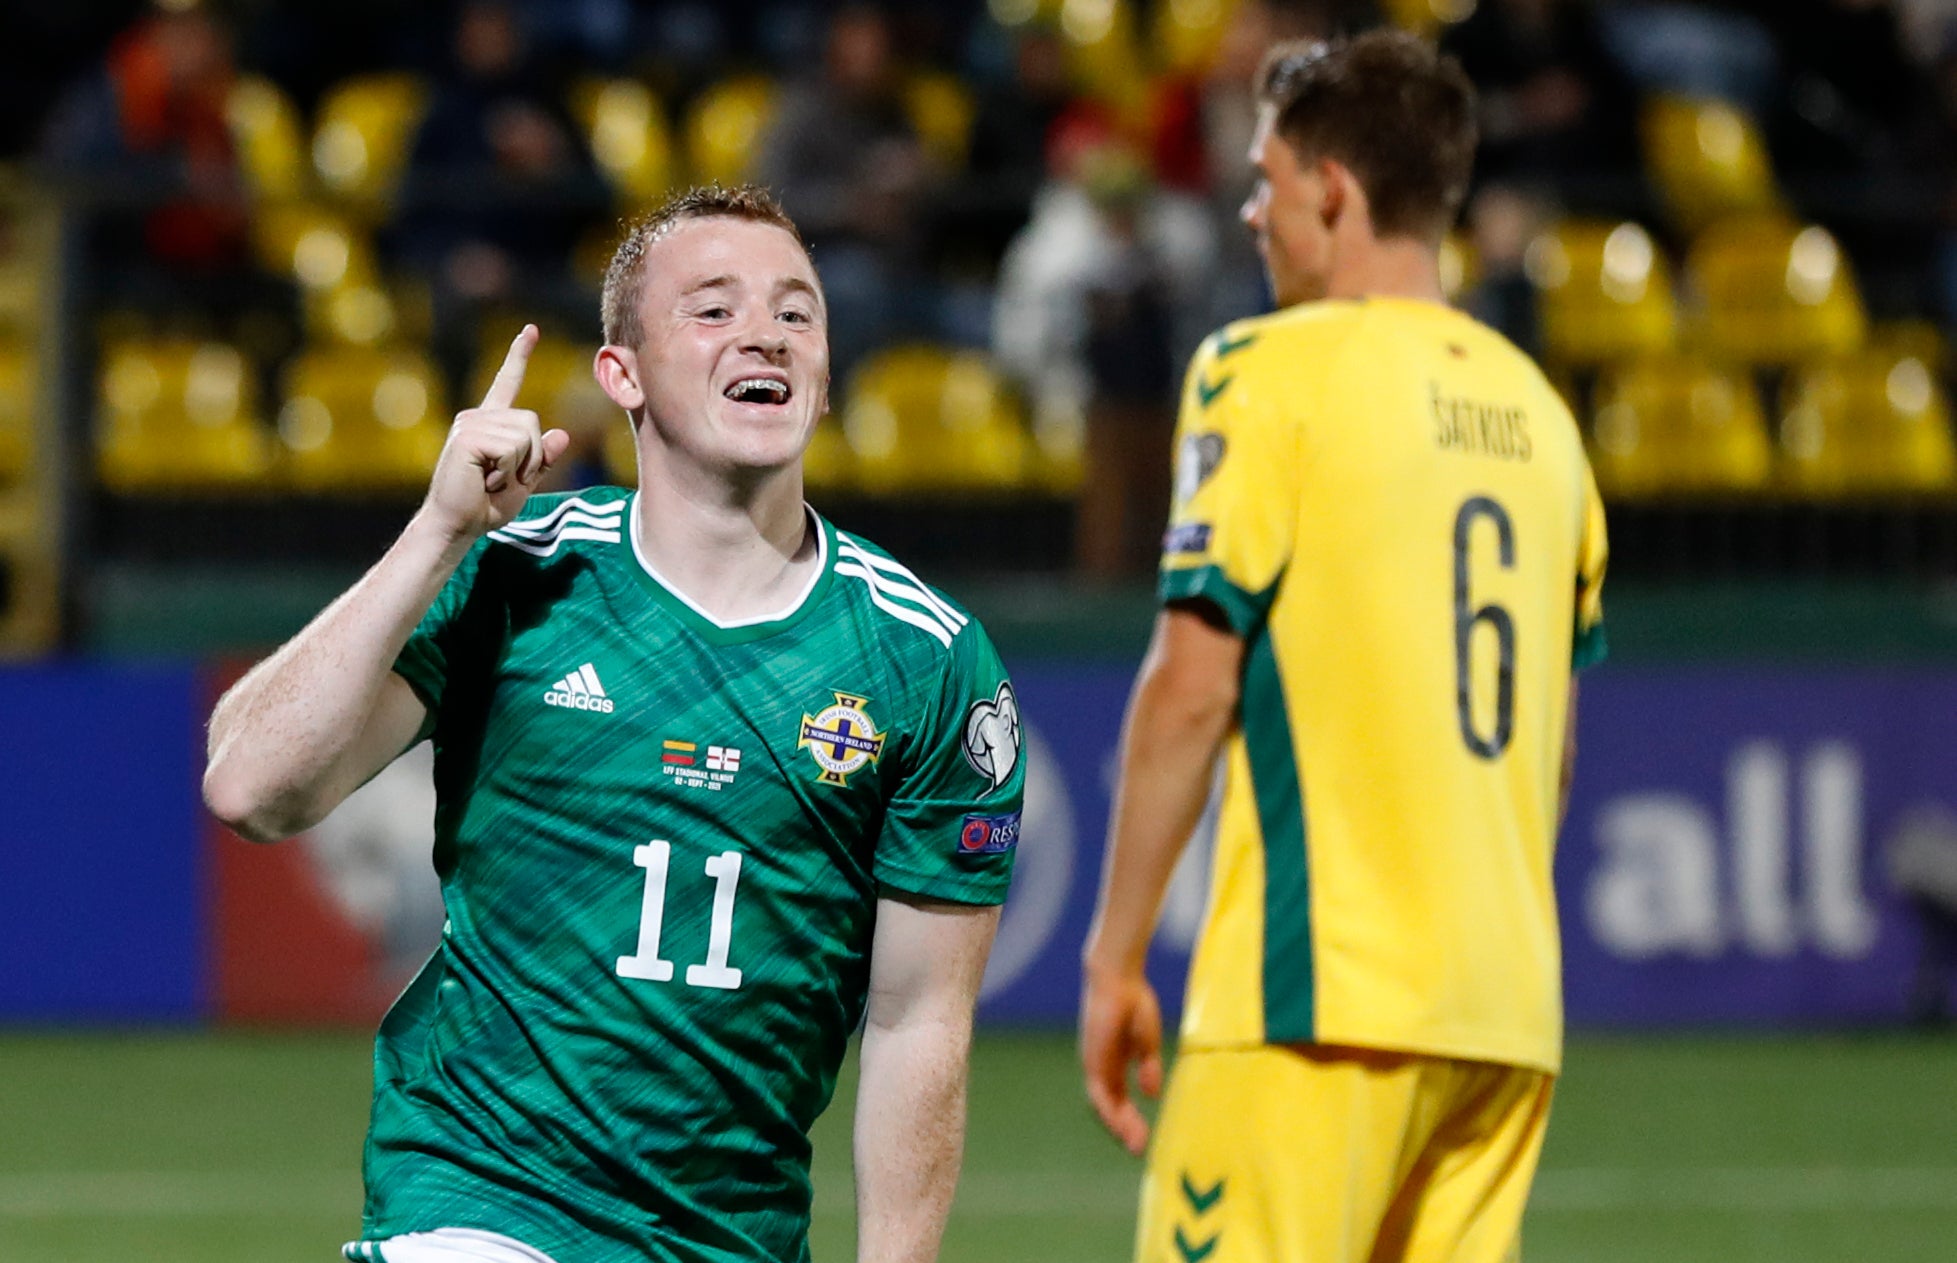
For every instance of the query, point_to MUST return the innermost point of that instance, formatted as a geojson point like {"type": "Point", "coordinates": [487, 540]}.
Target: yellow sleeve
{"type": "Point", "coordinates": [1592, 556]}
{"type": "Point", "coordinates": [1236, 477]}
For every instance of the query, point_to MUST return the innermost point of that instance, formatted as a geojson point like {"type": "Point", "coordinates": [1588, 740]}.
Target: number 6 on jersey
{"type": "Point", "coordinates": [646, 964]}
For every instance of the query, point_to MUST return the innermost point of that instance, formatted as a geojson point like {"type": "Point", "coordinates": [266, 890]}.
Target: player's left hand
{"type": "Point", "coordinates": [1120, 1026]}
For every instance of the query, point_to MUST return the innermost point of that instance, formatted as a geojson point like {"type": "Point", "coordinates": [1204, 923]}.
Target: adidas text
{"type": "Point", "coordinates": [579, 701]}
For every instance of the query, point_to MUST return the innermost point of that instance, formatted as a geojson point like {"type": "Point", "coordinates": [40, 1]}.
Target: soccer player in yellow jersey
{"type": "Point", "coordinates": [1383, 563]}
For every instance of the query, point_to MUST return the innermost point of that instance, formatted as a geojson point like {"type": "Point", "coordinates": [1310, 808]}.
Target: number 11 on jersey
{"type": "Point", "coordinates": [646, 964]}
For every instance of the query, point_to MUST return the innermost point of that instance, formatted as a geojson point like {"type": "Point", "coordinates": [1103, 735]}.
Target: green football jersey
{"type": "Point", "coordinates": [661, 839]}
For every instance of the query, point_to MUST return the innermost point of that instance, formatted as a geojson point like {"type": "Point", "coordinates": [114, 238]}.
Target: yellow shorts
{"type": "Point", "coordinates": [1341, 1155]}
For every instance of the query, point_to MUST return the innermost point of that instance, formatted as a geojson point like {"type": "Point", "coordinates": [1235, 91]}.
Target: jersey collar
{"type": "Point", "coordinates": [726, 633]}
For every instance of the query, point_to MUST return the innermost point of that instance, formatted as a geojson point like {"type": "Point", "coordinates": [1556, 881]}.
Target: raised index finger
{"type": "Point", "coordinates": [509, 378]}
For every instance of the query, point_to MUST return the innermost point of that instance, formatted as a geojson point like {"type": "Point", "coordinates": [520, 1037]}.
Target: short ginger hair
{"type": "Point", "coordinates": [1399, 114]}
{"type": "Point", "coordinates": [625, 275]}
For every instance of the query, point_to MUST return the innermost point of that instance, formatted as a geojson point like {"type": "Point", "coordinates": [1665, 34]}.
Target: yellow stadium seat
{"type": "Point", "coordinates": [30, 590]}
{"type": "Point", "coordinates": [17, 410]}
{"type": "Point", "coordinates": [361, 145]}
{"type": "Point", "coordinates": [331, 258]}
{"type": "Point", "coordinates": [941, 110]}
{"type": "Point", "coordinates": [558, 384]}
{"type": "Point", "coordinates": [1871, 424]}
{"type": "Point", "coordinates": [1103, 53]}
{"type": "Point", "coordinates": [1776, 293]}
{"type": "Point", "coordinates": [1670, 424]}
{"type": "Point", "coordinates": [1460, 265]}
{"type": "Point", "coordinates": [269, 137]}
{"type": "Point", "coordinates": [1426, 17]}
{"type": "Point", "coordinates": [621, 455]}
{"type": "Point", "coordinates": [358, 420]}
{"type": "Point", "coordinates": [725, 125]}
{"type": "Point", "coordinates": [1603, 292]}
{"type": "Point", "coordinates": [1187, 33]}
{"type": "Point", "coordinates": [829, 464]}
{"type": "Point", "coordinates": [1707, 159]}
{"type": "Point", "coordinates": [925, 418]}
{"type": "Point", "coordinates": [630, 139]}
{"type": "Point", "coordinates": [1920, 338]}
{"type": "Point", "coordinates": [179, 416]}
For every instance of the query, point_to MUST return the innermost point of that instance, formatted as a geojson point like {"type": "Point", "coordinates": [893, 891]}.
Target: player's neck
{"type": "Point", "coordinates": [1393, 267]}
{"type": "Point", "coordinates": [737, 551]}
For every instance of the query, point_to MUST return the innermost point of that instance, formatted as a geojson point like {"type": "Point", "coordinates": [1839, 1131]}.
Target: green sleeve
{"type": "Point", "coordinates": [438, 644]}
{"type": "Point", "coordinates": [952, 828]}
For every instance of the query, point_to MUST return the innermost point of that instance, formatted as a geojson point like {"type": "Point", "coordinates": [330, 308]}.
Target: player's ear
{"type": "Point", "coordinates": [617, 371]}
{"type": "Point", "coordinates": [1335, 181]}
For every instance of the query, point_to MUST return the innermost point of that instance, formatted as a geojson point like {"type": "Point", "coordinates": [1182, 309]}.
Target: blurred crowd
{"type": "Point", "coordinates": [1056, 183]}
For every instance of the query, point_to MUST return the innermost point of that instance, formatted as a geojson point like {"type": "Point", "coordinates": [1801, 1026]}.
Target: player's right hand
{"type": "Point", "coordinates": [1120, 1026]}
{"type": "Point", "coordinates": [494, 455]}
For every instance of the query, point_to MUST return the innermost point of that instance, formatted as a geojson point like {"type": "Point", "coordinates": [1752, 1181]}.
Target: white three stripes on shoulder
{"type": "Point", "coordinates": [576, 518]}
{"type": "Point", "coordinates": [897, 592]}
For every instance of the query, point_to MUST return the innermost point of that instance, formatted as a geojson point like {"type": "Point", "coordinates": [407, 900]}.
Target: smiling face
{"type": "Point", "coordinates": [732, 361]}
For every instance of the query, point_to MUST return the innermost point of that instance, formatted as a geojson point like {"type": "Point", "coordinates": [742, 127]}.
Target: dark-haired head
{"type": "Point", "coordinates": [1391, 109]}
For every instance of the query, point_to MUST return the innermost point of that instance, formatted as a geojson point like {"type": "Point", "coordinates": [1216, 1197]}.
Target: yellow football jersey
{"type": "Point", "coordinates": [1392, 506]}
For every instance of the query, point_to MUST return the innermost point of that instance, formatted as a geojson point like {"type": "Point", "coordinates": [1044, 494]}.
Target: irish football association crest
{"type": "Point", "coordinates": [842, 739]}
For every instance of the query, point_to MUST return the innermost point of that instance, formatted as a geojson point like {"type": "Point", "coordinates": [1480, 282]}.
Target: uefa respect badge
{"type": "Point", "coordinates": [989, 835]}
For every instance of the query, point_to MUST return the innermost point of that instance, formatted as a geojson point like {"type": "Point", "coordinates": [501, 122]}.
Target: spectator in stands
{"type": "Point", "coordinates": [1556, 113]}
{"type": "Point", "coordinates": [146, 136]}
{"type": "Point", "coordinates": [1202, 124]}
{"type": "Point", "coordinates": [848, 165]}
{"type": "Point", "coordinates": [499, 187]}
{"type": "Point", "coordinates": [1011, 126]}
{"type": "Point", "coordinates": [1100, 302]}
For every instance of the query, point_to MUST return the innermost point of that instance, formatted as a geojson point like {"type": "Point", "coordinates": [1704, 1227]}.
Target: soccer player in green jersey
{"type": "Point", "coordinates": [716, 782]}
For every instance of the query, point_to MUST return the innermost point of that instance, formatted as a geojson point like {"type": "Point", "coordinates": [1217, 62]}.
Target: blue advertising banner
{"type": "Point", "coordinates": [101, 893]}
{"type": "Point", "coordinates": [1733, 852]}
{"type": "Point", "coordinates": [1745, 847]}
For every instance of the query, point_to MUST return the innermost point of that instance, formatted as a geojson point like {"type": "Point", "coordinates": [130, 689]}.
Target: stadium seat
{"type": "Point", "coordinates": [17, 410]}
{"type": "Point", "coordinates": [1460, 265]}
{"type": "Point", "coordinates": [1707, 159]}
{"type": "Point", "coordinates": [725, 125]}
{"type": "Point", "coordinates": [1603, 292]}
{"type": "Point", "coordinates": [629, 137]}
{"type": "Point", "coordinates": [1921, 338]}
{"type": "Point", "coordinates": [1673, 424]}
{"type": "Point", "coordinates": [332, 260]}
{"type": "Point", "coordinates": [179, 416]}
{"type": "Point", "coordinates": [829, 464]}
{"type": "Point", "coordinates": [1776, 292]}
{"type": "Point", "coordinates": [1877, 423]}
{"type": "Point", "coordinates": [558, 384]}
{"type": "Point", "coordinates": [941, 110]}
{"type": "Point", "coordinates": [361, 144]}
{"type": "Point", "coordinates": [30, 591]}
{"type": "Point", "coordinates": [270, 139]}
{"type": "Point", "coordinates": [1186, 33]}
{"type": "Point", "coordinates": [1103, 53]}
{"type": "Point", "coordinates": [926, 418]}
{"type": "Point", "coordinates": [621, 455]}
{"type": "Point", "coordinates": [358, 420]}
{"type": "Point", "coordinates": [1426, 17]}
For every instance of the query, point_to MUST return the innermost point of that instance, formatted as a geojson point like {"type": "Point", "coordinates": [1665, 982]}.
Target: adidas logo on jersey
{"type": "Point", "coordinates": [580, 690]}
